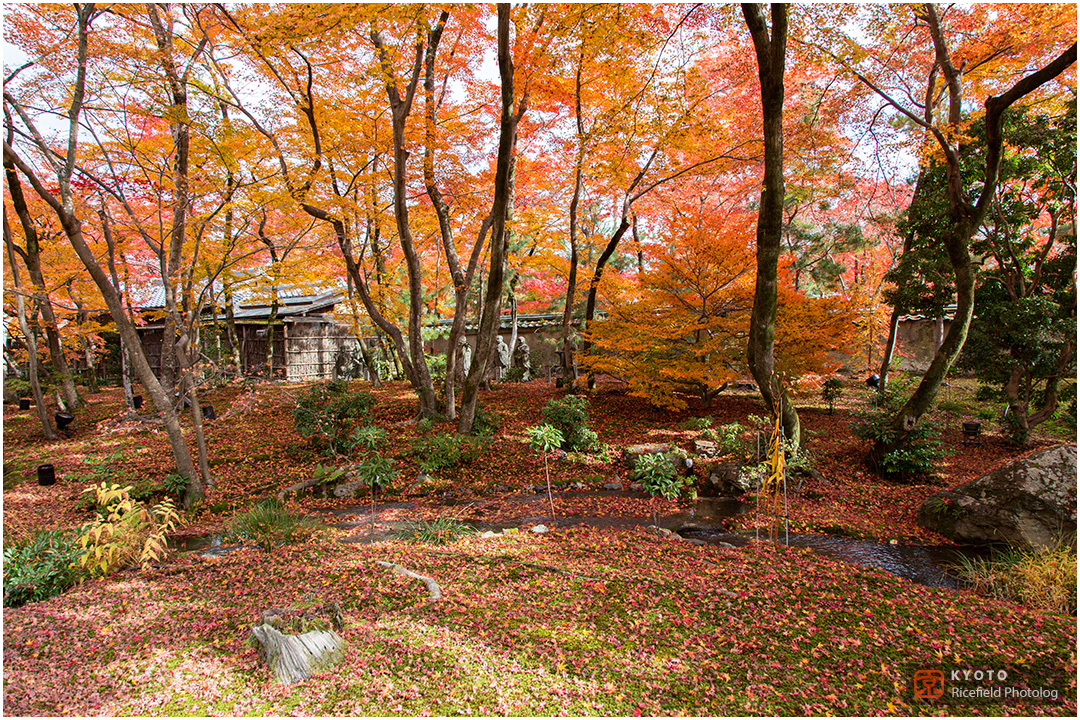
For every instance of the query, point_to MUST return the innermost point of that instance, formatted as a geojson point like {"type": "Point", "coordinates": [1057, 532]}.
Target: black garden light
{"type": "Point", "coordinates": [971, 431]}
{"type": "Point", "coordinates": [873, 381]}
{"type": "Point", "coordinates": [24, 403]}
{"type": "Point", "coordinates": [46, 474]}
{"type": "Point", "coordinates": [136, 401]}
{"type": "Point", "coordinates": [208, 412]}
{"type": "Point", "coordinates": [63, 420]}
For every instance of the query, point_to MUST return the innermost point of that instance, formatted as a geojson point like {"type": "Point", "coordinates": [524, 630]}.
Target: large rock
{"type": "Point", "coordinates": [1031, 502]}
{"type": "Point", "coordinates": [726, 479]}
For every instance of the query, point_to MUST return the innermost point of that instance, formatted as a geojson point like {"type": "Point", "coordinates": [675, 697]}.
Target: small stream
{"type": "Point", "coordinates": [924, 564]}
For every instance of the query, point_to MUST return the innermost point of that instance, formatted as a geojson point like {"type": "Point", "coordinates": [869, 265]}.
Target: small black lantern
{"type": "Point", "coordinates": [46, 474]}
{"type": "Point", "coordinates": [136, 401]}
{"type": "Point", "coordinates": [24, 403]}
{"type": "Point", "coordinates": [874, 380]}
{"type": "Point", "coordinates": [63, 420]}
{"type": "Point", "coordinates": [208, 412]}
{"type": "Point", "coordinates": [971, 431]}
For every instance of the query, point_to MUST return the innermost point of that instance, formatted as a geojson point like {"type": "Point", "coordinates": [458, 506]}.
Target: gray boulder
{"type": "Point", "coordinates": [727, 479]}
{"type": "Point", "coordinates": [1031, 502]}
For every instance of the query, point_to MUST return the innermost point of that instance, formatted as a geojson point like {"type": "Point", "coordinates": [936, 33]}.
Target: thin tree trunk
{"type": "Point", "coordinates": [28, 337]}
{"type": "Point", "coordinates": [32, 257]}
{"type": "Point", "coordinates": [500, 208]}
{"type": "Point", "coordinates": [760, 353]}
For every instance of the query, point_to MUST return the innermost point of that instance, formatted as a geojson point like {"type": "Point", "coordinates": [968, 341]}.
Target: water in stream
{"type": "Point", "coordinates": [926, 565]}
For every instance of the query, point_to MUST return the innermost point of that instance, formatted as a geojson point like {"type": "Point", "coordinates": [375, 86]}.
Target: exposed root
{"type": "Point", "coordinates": [432, 586]}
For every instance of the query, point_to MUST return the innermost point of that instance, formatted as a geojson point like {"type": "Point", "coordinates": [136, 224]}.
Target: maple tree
{"type": "Point", "coordinates": [1022, 337]}
{"type": "Point", "coordinates": [31, 255]}
{"type": "Point", "coordinates": [63, 203]}
{"type": "Point", "coordinates": [683, 328]}
{"type": "Point", "coordinates": [923, 42]}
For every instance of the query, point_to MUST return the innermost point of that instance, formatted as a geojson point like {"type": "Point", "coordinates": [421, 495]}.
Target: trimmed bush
{"type": "Point", "coordinates": [570, 416]}
{"type": "Point", "coordinates": [445, 450]}
{"type": "Point", "coordinates": [917, 458]}
{"type": "Point", "coordinates": [326, 413]}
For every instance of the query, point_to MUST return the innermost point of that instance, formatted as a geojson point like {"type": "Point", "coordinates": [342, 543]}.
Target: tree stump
{"type": "Point", "coordinates": [315, 647]}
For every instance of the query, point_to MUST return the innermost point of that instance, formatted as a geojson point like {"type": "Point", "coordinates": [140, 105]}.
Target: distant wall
{"type": "Point", "coordinates": [917, 340]}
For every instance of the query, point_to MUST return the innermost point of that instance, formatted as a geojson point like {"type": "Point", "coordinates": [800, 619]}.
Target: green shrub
{"type": "Point", "coordinates": [921, 451]}
{"type": "Point", "coordinates": [570, 416]}
{"type": "Point", "coordinates": [696, 423]}
{"type": "Point", "coordinates": [485, 422]}
{"type": "Point", "coordinates": [445, 450]}
{"type": "Point", "coordinates": [326, 413]}
{"type": "Point", "coordinates": [831, 391]}
{"type": "Point", "coordinates": [269, 524]}
{"type": "Point", "coordinates": [368, 437]}
{"type": "Point", "coordinates": [730, 439]}
{"type": "Point", "coordinates": [175, 484]}
{"type": "Point", "coordinates": [658, 476]}
{"type": "Point", "coordinates": [41, 567]}
{"type": "Point", "coordinates": [514, 374]}
{"type": "Point", "coordinates": [376, 471]}
{"type": "Point", "coordinates": [440, 531]}
{"type": "Point", "coordinates": [20, 387]}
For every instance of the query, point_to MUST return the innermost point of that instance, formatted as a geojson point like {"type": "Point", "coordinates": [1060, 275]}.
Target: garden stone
{"type": "Point", "coordinates": [1031, 502]}
{"type": "Point", "coordinates": [633, 452]}
{"type": "Point", "coordinates": [612, 486]}
{"type": "Point", "coordinates": [540, 529]}
{"type": "Point", "coordinates": [726, 480]}
{"type": "Point", "coordinates": [706, 448]}
{"type": "Point", "coordinates": [352, 490]}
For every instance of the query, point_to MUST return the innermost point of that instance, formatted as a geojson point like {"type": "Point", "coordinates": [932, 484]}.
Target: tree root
{"type": "Point", "coordinates": [432, 586]}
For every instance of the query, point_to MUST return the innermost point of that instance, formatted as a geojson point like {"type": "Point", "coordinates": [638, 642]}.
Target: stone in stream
{"type": "Point", "coordinates": [1028, 503]}
{"type": "Point", "coordinates": [726, 479]}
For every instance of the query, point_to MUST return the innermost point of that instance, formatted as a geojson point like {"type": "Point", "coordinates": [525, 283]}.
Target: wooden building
{"type": "Point", "coordinates": [307, 343]}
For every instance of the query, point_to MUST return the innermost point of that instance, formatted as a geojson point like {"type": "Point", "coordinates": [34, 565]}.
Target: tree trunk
{"type": "Point", "coordinates": [956, 242]}
{"type": "Point", "coordinates": [400, 107]}
{"type": "Point", "coordinates": [230, 329]}
{"type": "Point", "coordinates": [82, 316]}
{"type": "Point", "coordinates": [110, 243]}
{"type": "Point", "coordinates": [28, 337]}
{"type": "Point", "coordinates": [462, 280]}
{"type": "Point", "coordinates": [966, 218]}
{"type": "Point", "coordinates": [889, 351]}
{"type": "Point", "coordinates": [32, 258]}
{"type": "Point", "coordinates": [575, 205]}
{"type": "Point", "coordinates": [760, 352]}
{"type": "Point", "coordinates": [500, 208]}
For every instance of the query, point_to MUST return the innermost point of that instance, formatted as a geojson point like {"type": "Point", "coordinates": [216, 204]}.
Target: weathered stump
{"type": "Point", "coordinates": [316, 647]}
